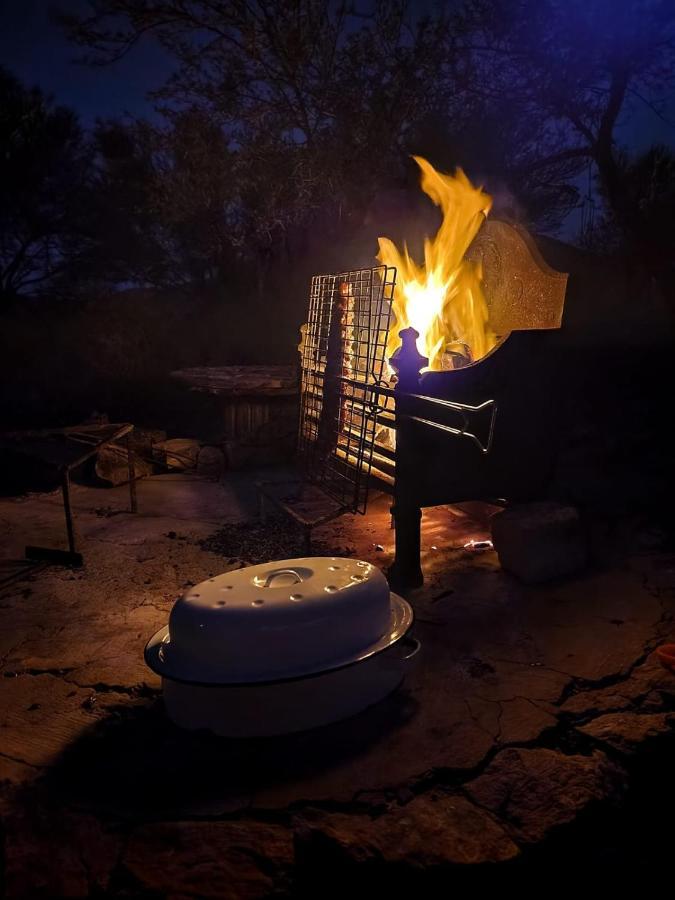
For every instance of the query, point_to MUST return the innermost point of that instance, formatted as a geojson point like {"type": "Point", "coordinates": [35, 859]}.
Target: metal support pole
{"type": "Point", "coordinates": [65, 488]}
{"type": "Point", "coordinates": [406, 571]}
{"type": "Point", "coordinates": [132, 475]}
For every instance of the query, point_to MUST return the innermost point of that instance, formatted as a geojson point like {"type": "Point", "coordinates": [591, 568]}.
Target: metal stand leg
{"type": "Point", "coordinates": [132, 476]}
{"type": "Point", "coordinates": [65, 488]}
{"type": "Point", "coordinates": [406, 570]}
{"type": "Point", "coordinates": [262, 508]}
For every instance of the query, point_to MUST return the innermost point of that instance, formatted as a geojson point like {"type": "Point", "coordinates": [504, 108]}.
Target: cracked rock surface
{"type": "Point", "coordinates": [526, 712]}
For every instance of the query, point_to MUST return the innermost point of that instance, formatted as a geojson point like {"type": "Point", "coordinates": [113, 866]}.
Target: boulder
{"type": "Point", "coordinates": [211, 463]}
{"type": "Point", "coordinates": [540, 541]}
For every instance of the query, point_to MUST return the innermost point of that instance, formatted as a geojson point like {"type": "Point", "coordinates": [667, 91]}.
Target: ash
{"type": "Point", "coordinates": [252, 543]}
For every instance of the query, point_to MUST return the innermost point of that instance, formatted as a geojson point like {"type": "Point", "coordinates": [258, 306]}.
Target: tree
{"type": "Point", "coordinates": [573, 70]}
{"type": "Point", "coordinates": [320, 102]}
{"type": "Point", "coordinates": [315, 99]}
{"type": "Point", "coordinates": [44, 169]}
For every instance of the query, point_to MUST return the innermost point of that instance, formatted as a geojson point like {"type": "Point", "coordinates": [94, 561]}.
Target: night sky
{"type": "Point", "coordinates": [35, 49]}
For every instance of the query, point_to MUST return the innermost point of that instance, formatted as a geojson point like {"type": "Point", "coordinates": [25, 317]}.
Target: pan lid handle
{"type": "Point", "coordinates": [282, 576]}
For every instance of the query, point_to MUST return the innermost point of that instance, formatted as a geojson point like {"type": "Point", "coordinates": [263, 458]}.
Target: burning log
{"type": "Point", "coordinates": [443, 298]}
{"type": "Point", "coordinates": [332, 412]}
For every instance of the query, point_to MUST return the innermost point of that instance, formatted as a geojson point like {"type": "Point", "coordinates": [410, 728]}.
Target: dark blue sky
{"type": "Point", "coordinates": [34, 48]}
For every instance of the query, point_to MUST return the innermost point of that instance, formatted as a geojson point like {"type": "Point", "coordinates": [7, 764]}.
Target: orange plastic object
{"type": "Point", "coordinates": [666, 655]}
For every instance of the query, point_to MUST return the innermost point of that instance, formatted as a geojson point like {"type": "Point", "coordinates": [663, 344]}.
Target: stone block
{"type": "Point", "coordinates": [540, 541]}
{"type": "Point", "coordinates": [211, 463]}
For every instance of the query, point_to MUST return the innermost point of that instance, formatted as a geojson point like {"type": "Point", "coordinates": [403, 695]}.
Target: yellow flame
{"type": "Point", "coordinates": [442, 299]}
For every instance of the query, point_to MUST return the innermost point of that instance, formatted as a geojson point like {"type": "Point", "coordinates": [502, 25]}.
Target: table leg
{"type": "Point", "coordinates": [65, 488]}
{"type": "Point", "coordinates": [132, 476]}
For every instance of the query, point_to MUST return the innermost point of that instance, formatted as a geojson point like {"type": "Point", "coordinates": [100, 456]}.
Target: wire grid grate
{"type": "Point", "coordinates": [343, 359]}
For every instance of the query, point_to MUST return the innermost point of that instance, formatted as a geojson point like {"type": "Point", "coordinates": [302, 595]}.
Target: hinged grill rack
{"type": "Point", "coordinates": [343, 363]}
{"type": "Point", "coordinates": [343, 372]}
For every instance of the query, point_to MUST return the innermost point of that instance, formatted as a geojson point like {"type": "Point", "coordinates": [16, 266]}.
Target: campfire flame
{"type": "Point", "coordinates": [443, 299]}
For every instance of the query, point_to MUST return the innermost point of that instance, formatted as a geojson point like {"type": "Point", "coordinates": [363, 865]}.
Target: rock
{"type": "Point", "coordinates": [211, 463]}
{"type": "Point", "coordinates": [539, 541]}
{"type": "Point", "coordinates": [627, 731]}
{"type": "Point", "coordinates": [177, 453]}
{"type": "Point", "coordinates": [432, 830]}
{"type": "Point", "coordinates": [50, 853]}
{"type": "Point", "coordinates": [648, 684]}
{"type": "Point", "coordinates": [535, 790]}
{"type": "Point", "coordinates": [112, 464]}
{"type": "Point", "coordinates": [228, 860]}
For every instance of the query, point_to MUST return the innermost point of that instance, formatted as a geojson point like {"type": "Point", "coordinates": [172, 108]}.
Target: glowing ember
{"type": "Point", "coordinates": [443, 298]}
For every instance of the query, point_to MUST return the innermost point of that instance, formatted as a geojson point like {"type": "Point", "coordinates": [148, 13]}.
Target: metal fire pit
{"type": "Point", "coordinates": [485, 431]}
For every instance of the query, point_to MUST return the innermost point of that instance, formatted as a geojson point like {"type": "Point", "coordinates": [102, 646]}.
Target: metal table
{"type": "Point", "coordinates": [64, 449]}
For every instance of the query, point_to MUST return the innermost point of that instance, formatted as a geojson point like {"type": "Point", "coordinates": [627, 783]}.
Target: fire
{"type": "Point", "coordinates": [443, 299]}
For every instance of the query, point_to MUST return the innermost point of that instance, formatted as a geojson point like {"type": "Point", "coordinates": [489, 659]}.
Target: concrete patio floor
{"type": "Point", "coordinates": [524, 713]}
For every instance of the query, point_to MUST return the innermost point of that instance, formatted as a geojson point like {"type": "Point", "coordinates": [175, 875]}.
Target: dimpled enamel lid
{"type": "Point", "coordinates": [279, 620]}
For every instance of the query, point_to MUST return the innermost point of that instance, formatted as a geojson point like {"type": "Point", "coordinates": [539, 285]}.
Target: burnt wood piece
{"type": "Point", "coordinates": [329, 421]}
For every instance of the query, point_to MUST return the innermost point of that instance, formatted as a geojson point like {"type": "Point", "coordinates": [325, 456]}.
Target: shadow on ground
{"type": "Point", "coordinates": [136, 763]}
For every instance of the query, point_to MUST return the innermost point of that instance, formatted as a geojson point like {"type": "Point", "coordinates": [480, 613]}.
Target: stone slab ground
{"type": "Point", "coordinates": [519, 728]}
